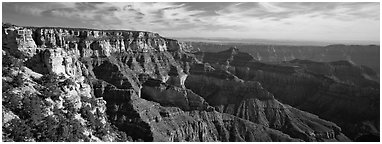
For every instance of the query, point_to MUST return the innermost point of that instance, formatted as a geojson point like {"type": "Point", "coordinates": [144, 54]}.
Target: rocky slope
{"type": "Point", "coordinates": [339, 91]}
{"type": "Point", "coordinates": [249, 100]}
{"type": "Point", "coordinates": [107, 85]}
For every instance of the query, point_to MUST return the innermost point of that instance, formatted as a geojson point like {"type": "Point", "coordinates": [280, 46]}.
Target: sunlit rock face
{"type": "Point", "coordinates": [117, 84]}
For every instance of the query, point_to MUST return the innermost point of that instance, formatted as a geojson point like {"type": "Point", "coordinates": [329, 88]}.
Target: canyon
{"type": "Point", "coordinates": [366, 55]}
{"type": "Point", "coordinates": [118, 85]}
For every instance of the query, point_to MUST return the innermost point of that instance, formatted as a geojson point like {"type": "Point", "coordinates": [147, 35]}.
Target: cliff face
{"type": "Point", "coordinates": [109, 85]}
{"type": "Point", "coordinates": [152, 121]}
{"type": "Point", "coordinates": [250, 101]}
{"type": "Point", "coordinates": [339, 91]}
{"type": "Point", "coordinates": [115, 57]}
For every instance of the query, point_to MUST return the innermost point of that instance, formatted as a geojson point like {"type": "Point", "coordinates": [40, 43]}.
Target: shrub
{"type": "Point", "coordinates": [69, 82]}
{"type": "Point", "coordinates": [13, 101]}
{"type": "Point", "coordinates": [10, 61]}
{"type": "Point", "coordinates": [32, 108]}
{"type": "Point", "coordinates": [50, 82]}
{"type": "Point", "coordinates": [49, 78]}
{"type": "Point", "coordinates": [18, 130]}
{"type": "Point", "coordinates": [18, 80]}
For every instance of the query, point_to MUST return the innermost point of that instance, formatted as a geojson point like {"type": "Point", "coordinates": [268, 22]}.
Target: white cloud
{"type": "Point", "coordinates": [270, 7]}
{"type": "Point", "coordinates": [238, 20]}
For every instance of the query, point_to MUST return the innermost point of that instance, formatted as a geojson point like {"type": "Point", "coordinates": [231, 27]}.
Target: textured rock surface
{"type": "Point", "coordinates": [152, 122]}
{"type": "Point", "coordinates": [338, 91]}
{"type": "Point", "coordinates": [168, 95]}
{"type": "Point", "coordinates": [107, 85]}
{"type": "Point", "coordinates": [249, 100]}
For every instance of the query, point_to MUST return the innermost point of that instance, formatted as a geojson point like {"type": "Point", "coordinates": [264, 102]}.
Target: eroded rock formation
{"type": "Point", "coordinates": [339, 91]}
{"type": "Point", "coordinates": [117, 84]}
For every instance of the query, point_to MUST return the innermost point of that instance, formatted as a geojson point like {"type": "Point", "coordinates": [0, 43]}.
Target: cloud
{"type": "Point", "coordinates": [302, 20]}
{"type": "Point", "coordinates": [258, 20]}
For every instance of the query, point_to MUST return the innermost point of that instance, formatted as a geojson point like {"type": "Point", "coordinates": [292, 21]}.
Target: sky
{"type": "Point", "coordinates": [251, 20]}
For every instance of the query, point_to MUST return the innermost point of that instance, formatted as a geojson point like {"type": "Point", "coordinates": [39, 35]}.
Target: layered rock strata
{"type": "Point", "coordinates": [138, 83]}
{"type": "Point", "coordinates": [338, 91]}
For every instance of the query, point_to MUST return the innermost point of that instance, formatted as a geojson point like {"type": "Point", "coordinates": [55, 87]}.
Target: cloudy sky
{"type": "Point", "coordinates": [284, 21]}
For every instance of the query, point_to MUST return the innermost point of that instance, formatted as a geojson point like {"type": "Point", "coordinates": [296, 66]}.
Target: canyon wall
{"type": "Point", "coordinates": [134, 85]}
{"type": "Point", "coordinates": [339, 91]}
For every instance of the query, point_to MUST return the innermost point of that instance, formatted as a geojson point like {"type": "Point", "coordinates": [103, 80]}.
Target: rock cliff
{"type": "Point", "coordinates": [250, 101]}
{"type": "Point", "coordinates": [116, 85]}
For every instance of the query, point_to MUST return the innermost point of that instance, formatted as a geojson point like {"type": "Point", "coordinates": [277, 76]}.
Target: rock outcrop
{"type": "Point", "coordinates": [109, 85]}
{"type": "Point", "coordinates": [150, 121]}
